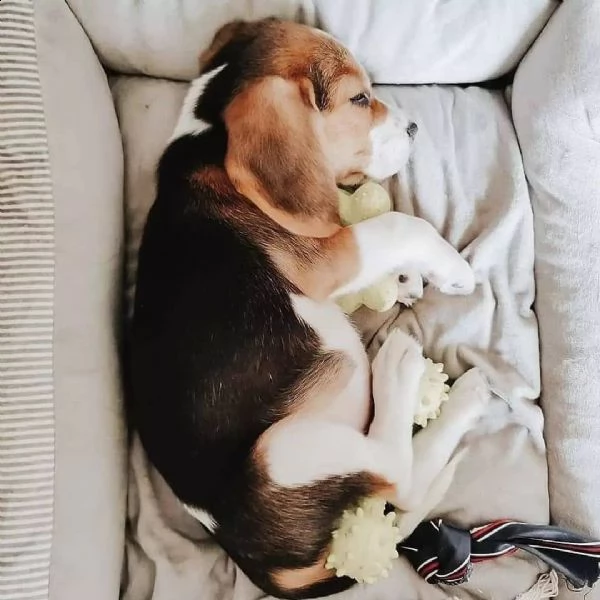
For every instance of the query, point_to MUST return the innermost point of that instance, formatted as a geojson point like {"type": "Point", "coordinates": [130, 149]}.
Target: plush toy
{"type": "Point", "coordinates": [364, 544]}
{"type": "Point", "coordinates": [369, 200]}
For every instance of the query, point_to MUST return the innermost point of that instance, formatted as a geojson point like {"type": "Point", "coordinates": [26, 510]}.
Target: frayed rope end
{"type": "Point", "coordinates": [545, 587]}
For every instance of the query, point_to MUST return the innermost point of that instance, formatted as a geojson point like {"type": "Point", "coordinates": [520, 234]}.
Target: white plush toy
{"type": "Point", "coordinates": [368, 201]}
{"type": "Point", "coordinates": [364, 544]}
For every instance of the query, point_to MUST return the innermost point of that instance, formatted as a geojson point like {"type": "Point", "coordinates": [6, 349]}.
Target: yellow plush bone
{"type": "Point", "coordinates": [369, 200]}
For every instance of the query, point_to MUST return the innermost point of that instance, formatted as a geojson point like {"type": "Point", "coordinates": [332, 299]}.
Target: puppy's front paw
{"type": "Point", "coordinates": [470, 395]}
{"type": "Point", "coordinates": [398, 360]}
{"type": "Point", "coordinates": [398, 348]}
{"type": "Point", "coordinates": [459, 278]}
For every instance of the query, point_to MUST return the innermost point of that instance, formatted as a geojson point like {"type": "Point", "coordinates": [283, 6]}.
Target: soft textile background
{"type": "Point", "coordinates": [466, 177]}
{"type": "Point", "coordinates": [86, 165]}
{"type": "Point", "coordinates": [27, 401]}
{"type": "Point", "coordinates": [456, 41]}
{"type": "Point", "coordinates": [556, 106]}
{"type": "Point", "coordinates": [399, 41]}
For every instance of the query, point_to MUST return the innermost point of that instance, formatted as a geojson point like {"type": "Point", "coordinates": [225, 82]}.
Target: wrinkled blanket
{"type": "Point", "coordinates": [466, 178]}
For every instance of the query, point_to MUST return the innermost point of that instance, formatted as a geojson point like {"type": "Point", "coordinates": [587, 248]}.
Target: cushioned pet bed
{"type": "Point", "coordinates": [63, 435]}
{"type": "Point", "coordinates": [466, 177]}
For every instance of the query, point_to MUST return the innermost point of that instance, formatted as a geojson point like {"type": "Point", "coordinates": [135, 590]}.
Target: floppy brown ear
{"type": "Point", "coordinates": [233, 31]}
{"type": "Point", "coordinates": [221, 38]}
{"type": "Point", "coordinates": [275, 158]}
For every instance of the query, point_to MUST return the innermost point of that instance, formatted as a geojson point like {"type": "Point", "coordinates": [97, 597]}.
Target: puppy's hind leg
{"type": "Point", "coordinates": [434, 445]}
{"type": "Point", "coordinates": [419, 460]}
{"type": "Point", "coordinates": [397, 371]}
{"type": "Point", "coordinates": [311, 471]}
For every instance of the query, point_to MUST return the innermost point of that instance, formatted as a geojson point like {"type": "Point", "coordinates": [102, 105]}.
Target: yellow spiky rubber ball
{"type": "Point", "coordinates": [364, 544]}
{"type": "Point", "coordinates": [433, 392]}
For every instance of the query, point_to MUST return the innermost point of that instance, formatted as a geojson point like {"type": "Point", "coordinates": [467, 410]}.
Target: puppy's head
{"type": "Point", "coordinates": [300, 115]}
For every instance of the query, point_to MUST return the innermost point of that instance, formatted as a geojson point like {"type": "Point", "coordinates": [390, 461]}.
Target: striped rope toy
{"type": "Point", "coordinates": [443, 553]}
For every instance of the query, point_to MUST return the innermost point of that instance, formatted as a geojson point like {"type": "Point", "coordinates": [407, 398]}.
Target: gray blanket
{"type": "Point", "coordinates": [466, 177]}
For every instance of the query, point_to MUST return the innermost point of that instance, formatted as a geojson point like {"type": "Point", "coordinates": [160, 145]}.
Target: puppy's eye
{"type": "Point", "coordinates": [361, 99]}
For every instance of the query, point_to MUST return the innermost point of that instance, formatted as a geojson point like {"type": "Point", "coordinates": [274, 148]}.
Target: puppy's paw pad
{"type": "Point", "coordinates": [399, 350]}
{"type": "Point", "coordinates": [460, 280]}
{"type": "Point", "coordinates": [471, 392]}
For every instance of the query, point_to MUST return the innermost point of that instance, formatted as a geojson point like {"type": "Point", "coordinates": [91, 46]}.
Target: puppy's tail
{"type": "Point", "coordinates": [287, 532]}
{"type": "Point", "coordinates": [325, 583]}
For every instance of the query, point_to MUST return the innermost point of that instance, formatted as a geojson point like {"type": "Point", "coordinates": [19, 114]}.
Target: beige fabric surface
{"type": "Point", "coordinates": [26, 314]}
{"type": "Point", "coordinates": [556, 104]}
{"type": "Point", "coordinates": [467, 179]}
{"type": "Point", "coordinates": [86, 169]}
{"type": "Point", "coordinates": [399, 41]}
{"type": "Point", "coordinates": [164, 38]}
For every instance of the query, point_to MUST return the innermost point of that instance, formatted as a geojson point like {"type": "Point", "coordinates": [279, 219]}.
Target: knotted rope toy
{"type": "Point", "coordinates": [443, 553]}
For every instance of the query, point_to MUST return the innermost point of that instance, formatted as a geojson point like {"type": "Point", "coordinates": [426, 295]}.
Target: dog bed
{"type": "Point", "coordinates": [466, 177]}
{"type": "Point", "coordinates": [62, 501]}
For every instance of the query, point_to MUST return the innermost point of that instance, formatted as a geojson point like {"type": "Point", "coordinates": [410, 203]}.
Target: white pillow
{"type": "Point", "coordinates": [164, 38]}
{"type": "Point", "coordinates": [399, 41]}
{"type": "Point", "coordinates": [428, 41]}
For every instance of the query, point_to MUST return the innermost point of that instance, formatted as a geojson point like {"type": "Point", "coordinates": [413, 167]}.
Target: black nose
{"type": "Point", "coordinates": [412, 129]}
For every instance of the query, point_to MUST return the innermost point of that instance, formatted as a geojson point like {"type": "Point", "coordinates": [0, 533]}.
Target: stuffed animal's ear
{"type": "Point", "coordinates": [274, 153]}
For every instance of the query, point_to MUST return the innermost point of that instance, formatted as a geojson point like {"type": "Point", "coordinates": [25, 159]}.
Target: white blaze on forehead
{"type": "Point", "coordinates": [188, 123]}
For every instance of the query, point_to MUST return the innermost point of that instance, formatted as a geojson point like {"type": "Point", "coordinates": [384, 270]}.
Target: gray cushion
{"type": "Point", "coordinates": [26, 307]}
{"type": "Point", "coordinates": [164, 38]}
{"type": "Point", "coordinates": [556, 107]}
{"type": "Point", "coordinates": [86, 168]}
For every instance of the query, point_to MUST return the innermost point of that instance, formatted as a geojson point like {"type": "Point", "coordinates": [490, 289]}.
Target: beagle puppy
{"type": "Point", "coordinates": [252, 393]}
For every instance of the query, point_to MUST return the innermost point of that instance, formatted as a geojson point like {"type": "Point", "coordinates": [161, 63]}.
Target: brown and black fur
{"type": "Point", "coordinates": [218, 354]}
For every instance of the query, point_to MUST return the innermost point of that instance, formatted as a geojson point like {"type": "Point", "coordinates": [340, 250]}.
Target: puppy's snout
{"type": "Point", "coordinates": [412, 129]}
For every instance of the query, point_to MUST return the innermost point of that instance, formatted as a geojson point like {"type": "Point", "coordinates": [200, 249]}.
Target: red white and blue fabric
{"type": "Point", "coordinates": [443, 553]}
